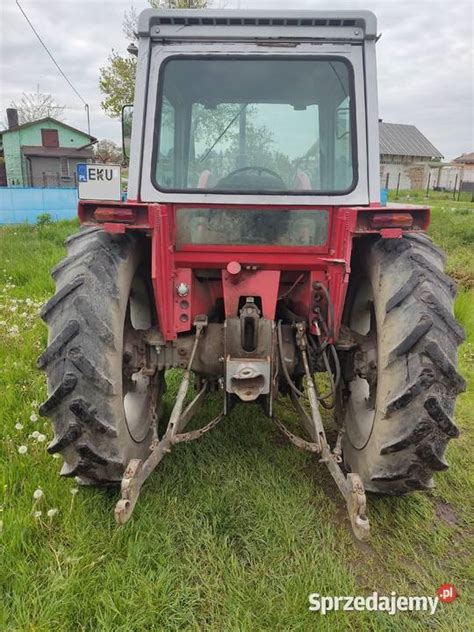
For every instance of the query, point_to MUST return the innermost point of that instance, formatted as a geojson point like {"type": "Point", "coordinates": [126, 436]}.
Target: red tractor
{"type": "Point", "coordinates": [253, 253]}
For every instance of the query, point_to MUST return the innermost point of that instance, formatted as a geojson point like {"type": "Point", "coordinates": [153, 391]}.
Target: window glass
{"type": "Point", "coordinates": [247, 227]}
{"type": "Point", "coordinates": [255, 125]}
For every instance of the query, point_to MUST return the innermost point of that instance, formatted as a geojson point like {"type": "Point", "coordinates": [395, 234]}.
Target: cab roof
{"type": "Point", "coordinates": [218, 25]}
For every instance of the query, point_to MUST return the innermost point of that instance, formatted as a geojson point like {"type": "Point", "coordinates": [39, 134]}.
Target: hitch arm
{"type": "Point", "coordinates": [137, 470]}
{"type": "Point", "coordinates": [350, 486]}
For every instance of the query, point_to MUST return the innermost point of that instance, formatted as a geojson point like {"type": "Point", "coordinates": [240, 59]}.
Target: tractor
{"type": "Point", "coordinates": [252, 252]}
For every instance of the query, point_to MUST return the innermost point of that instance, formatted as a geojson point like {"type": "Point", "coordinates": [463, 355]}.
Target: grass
{"type": "Point", "coordinates": [230, 533]}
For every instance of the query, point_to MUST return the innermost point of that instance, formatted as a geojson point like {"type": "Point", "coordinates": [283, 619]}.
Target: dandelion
{"type": "Point", "coordinates": [35, 434]}
{"type": "Point", "coordinates": [18, 426]}
{"type": "Point", "coordinates": [13, 308]}
{"type": "Point", "coordinates": [34, 404]}
{"type": "Point", "coordinates": [37, 494]}
{"type": "Point", "coordinates": [52, 513]}
{"type": "Point", "coordinates": [22, 449]}
{"type": "Point", "coordinates": [37, 514]}
{"type": "Point", "coordinates": [73, 491]}
{"type": "Point", "coordinates": [41, 438]}
{"type": "Point", "coordinates": [33, 417]}
{"type": "Point", "coordinates": [56, 455]}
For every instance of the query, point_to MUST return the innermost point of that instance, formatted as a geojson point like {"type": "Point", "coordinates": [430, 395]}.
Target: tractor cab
{"type": "Point", "coordinates": [255, 108]}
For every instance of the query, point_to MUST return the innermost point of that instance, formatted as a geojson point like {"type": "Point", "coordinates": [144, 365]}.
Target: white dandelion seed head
{"type": "Point", "coordinates": [52, 512]}
{"type": "Point", "coordinates": [41, 438]}
{"type": "Point", "coordinates": [22, 449]}
{"type": "Point", "coordinates": [35, 434]}
{"type": "Point", "coordinates": [74, 491]}
{"type": "Point", "coordinates": [33, 417]}
{"type": "Point", "coordinates": [56, 455]}
{"type": "Point", "coordinates": [37, 494]}
{"type": "Point", "coordinates": [37, 514]}
{"type": "Point", "coordinates": [18, 426]}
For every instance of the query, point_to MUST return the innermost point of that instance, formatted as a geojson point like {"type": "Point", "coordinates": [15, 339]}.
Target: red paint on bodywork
{"type": "Point", "coordinates": [263, 268]}
{"type": "Point", "coordinates": [262, 283]}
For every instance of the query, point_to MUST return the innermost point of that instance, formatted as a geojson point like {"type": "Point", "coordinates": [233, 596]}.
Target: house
{"type": "Point", "coordinates": [406, 156]}
{"type": "Point", "coordinates": [42, 153]}
{"type": "Point", "coordinates": [465, 159]}
{"type": "Point", "coordinates": [464, 165]}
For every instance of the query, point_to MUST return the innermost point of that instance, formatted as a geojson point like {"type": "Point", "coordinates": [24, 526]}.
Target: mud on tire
{"type": "Point", "coordinates": [83, 360]}
{"type": "Point", "coordinates": [417, 379]}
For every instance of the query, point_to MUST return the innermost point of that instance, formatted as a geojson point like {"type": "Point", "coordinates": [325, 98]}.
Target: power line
{"type": "Point", "coordinates": [56, 64]}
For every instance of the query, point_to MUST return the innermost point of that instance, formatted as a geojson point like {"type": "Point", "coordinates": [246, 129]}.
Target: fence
{"type": "Point", "coordinates": [24, 204]}
{"type": "Point", "coordinates": [447, 178]}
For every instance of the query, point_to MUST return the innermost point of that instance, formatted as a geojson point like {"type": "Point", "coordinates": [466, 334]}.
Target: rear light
{"type": "Point", "coordinates": [392, 220]}
{"type": "Point", "coordinates": [114, 214]}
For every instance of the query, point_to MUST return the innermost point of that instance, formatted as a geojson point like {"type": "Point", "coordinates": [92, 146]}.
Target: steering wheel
{"type": "Point", "coordinates": [259, 171]}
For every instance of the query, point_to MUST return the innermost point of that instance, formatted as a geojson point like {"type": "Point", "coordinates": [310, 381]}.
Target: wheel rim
{"type": "Point", "coordinates": [361, 406]}
{"type": "Point", "coordinates": [138, 387]}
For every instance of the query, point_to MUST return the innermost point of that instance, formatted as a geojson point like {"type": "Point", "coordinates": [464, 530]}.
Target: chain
{"type": "Point", "coordinates": [297, 441]}
{"type": "Point", "coordinates": [197, 434]}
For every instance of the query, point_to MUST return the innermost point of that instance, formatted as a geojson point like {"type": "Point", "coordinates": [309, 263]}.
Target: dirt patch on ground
{"type": "Point", "coordinates": [445, 512]}
{"type": "Point", "coordinates": [463, 278]}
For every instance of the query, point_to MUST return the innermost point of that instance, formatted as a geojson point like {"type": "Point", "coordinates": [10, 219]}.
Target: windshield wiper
{"type": "Point", "coordinates": [206, 154]}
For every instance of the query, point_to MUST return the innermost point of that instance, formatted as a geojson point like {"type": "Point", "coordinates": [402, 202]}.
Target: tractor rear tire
{"type": "Point", "coordinates": [84, 360]}
{"type": "Point", "coordinates": [396, 446]}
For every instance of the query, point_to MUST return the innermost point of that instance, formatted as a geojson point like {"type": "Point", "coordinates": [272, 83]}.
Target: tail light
{"type": "Point", "coordinates": [392, 220]}
{"type": "Point", "coordinates": [114, 214]}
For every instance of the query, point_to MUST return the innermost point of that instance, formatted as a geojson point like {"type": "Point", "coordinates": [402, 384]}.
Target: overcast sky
{"type": "Point", "coordinates": [425, 59]}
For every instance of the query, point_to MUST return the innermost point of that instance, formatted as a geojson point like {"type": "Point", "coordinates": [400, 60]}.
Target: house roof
{"type": "Point", "coordinates": [57, 152]}
{"type": "Point", "coordinates": [466, 159]}
{"type": "Point", "coordinates": [50, 120]}
{"type": "Point", "coordinates": [405, 140]}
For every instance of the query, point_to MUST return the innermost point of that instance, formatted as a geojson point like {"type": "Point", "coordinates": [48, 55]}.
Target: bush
{"type": "Point", "coordinates": [43, 220]}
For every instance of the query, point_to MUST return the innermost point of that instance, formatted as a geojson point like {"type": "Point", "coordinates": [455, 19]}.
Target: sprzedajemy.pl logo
{"type": "Point", "coordinates": [391, 604]}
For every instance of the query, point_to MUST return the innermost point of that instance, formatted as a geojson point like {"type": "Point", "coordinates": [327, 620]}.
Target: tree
{"type": "Point", "coordinates": [36, 105]}
{"type": "Point", "coordinates": [117, 78]}
{"type": "Point", "coordinates": [117, 82]}
{"type": "Point", "coordinates": [107, 151]}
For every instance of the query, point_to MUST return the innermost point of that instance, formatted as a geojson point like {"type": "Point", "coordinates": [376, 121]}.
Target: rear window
{"type": "Point", "coordinates": [246, 227]}
{"type": "Point", "coordinates": [253, 125]}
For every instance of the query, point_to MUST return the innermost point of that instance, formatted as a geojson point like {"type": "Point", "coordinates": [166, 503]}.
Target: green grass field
{"type": "Point", "coordinates": [230, 533]}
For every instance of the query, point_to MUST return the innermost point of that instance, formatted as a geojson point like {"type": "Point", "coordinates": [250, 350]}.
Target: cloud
{"type": "Point", "coordinates": [425, 63]}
